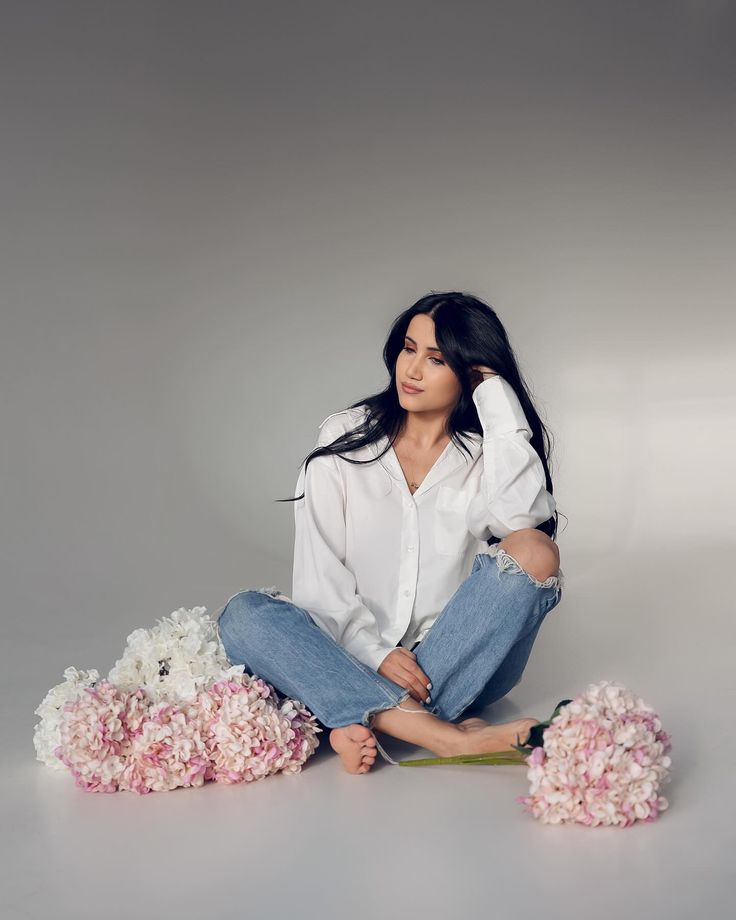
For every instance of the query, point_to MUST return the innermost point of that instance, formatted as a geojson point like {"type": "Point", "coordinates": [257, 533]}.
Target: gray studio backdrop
{"type": "Point", "coordinates": [212, 212]}
{"type": "Point", "coordinates": [207, 231]}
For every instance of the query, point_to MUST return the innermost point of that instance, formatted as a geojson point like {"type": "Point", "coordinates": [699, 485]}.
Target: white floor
{"type": "Point", "coordinates": [437, 841]}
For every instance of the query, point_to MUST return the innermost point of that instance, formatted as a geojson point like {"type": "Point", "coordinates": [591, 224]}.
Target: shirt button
{"type": "Point", "coordinates": [410, 548]}
{"type": "Point", "coordinates": [407, 592]}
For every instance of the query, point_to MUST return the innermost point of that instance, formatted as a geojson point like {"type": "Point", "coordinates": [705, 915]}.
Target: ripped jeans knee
{"type": "Point", "coordinates": [506, 562]}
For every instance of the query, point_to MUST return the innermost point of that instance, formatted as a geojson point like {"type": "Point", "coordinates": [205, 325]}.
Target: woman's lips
{"type": "Point", "coordinates": [407, 389]}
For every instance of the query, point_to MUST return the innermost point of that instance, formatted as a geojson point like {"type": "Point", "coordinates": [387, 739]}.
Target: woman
{"type": "Point", "coordinates": [424, 557]}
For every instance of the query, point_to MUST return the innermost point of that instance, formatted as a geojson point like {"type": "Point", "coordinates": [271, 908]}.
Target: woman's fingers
{"type": "Point", "coordinates": [419, 679]}
{"type": "Point", "coordinates": [414, 685]}
{"type": "Point", "coordinates": [418, 671]}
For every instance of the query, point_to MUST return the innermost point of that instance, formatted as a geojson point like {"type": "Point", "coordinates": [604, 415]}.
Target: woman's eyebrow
{"type": "Point", "coordinates": [410, 339]}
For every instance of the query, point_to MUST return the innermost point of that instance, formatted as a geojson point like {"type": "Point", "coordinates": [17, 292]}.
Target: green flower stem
{"type": "Point", "coordinates": [499, 758]}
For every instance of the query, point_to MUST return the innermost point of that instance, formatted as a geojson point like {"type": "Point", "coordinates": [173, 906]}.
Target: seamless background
{"type": "Point", "coordinates": [211, 214]}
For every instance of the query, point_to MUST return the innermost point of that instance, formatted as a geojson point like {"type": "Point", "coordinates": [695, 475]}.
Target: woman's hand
{"type": "Point", "coordinates": [479, 373]}
{"type": "Point", "coordinates": [401, 667]}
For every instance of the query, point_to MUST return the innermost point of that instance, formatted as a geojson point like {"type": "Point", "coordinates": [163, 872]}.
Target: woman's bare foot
{"type": "Point", "coordinates": [356, 745]}
{"type": "Point", "coordinates": [477, 736]}
{"type": "Point", "coordinates": [469, 723]}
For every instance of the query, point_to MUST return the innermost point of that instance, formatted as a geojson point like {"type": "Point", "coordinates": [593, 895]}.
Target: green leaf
{"type": "Point", "coordinates": [558, 707]}
{"type": "Point", "coordinates": [535, 737]}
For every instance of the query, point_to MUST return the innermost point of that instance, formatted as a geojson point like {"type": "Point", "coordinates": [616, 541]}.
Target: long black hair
{"type": "Point", "coordinates": [468, 332]}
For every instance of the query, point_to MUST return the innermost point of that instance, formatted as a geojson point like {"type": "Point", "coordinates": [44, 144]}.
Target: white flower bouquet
{"type": "Point", "coordinates": [172, 712]}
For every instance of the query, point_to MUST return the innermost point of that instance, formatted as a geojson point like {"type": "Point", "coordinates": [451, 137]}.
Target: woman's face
{"type": "Point", "coordinates": [420, 364]}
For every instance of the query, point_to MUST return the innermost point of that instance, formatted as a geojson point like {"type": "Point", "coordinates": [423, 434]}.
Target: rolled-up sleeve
{"type": "Point", "coordinates": [323, 583]}
{"type": "Point", "coordinates": [512, 493]}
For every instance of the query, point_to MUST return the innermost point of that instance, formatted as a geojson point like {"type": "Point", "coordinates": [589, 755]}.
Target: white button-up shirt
{"type": "Point", "coordinates": [375, 565]}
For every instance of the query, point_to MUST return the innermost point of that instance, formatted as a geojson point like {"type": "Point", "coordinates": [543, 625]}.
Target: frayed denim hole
{"type": "Point", "coordinates": [507, 563]}
{"type": "Point", "coordinates": [555, 599]}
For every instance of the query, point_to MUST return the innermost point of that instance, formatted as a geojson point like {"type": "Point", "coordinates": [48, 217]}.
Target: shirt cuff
{"type": "Point", "coordinates": [374, 655]}
{"type": "Point", "coordinates": [499, 409]}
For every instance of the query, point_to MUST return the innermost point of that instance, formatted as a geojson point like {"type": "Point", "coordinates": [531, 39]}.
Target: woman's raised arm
{"type": "Point", "coordinates": [513, 494]}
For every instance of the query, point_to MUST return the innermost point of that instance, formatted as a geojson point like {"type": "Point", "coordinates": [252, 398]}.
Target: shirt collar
{"type": "Point", "coordinates": [452, 458]}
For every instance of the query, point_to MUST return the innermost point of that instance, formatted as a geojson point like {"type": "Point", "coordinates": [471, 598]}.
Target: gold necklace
{"type": "Point", "coordinates": [412, 485]}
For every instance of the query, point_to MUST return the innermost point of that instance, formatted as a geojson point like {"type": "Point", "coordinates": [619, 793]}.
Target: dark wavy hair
{"type": "Point", "coordinates": [468, 332]}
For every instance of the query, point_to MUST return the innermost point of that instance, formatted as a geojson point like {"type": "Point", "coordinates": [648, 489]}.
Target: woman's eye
{"type": "Point", "coordinates": [439, 362]}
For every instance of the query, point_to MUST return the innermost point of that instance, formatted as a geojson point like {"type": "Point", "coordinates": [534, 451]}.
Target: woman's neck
{"type": "Point", "coordinates": [424, 430]}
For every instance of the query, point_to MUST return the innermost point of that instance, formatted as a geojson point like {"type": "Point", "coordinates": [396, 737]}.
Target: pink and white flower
{"type": "Point", "coordinates": [167, 752]}
{"type": "Point", "coordinates": [249, 736]}
{"type": "Point", "coordinates": [95, 734]}
{"type": "Point", "coordinates": [603, 761]}
{"type": "Point", "coordinates": [50, 709]}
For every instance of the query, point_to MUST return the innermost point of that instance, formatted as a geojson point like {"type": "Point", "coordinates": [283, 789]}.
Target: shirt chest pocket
{"type": "Point", "coordinates": [450, 530]}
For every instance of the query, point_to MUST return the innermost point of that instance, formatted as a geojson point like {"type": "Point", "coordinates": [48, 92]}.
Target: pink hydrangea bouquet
{"type": "Point", "coordinates": [600, 759]}
{"type": "Point", "coordinates": [172, 712]}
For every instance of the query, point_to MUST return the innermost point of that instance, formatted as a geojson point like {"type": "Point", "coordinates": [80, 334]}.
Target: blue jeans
{"type": "Point", "coordinates": [475, 652]}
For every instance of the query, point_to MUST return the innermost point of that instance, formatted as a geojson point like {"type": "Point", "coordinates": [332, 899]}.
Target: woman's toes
{"type": "Point", "coordinates": [356, 746]}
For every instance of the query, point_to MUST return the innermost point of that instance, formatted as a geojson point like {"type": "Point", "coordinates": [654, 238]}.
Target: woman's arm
{"type": "Point", "coordinates": [322, 583]}
{"type": "Point", "coordinates": [513, 494]}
